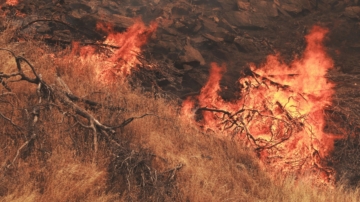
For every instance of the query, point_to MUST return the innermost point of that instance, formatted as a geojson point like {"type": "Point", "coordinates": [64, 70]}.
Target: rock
{"type": "Point", "coordinates": [123, 21]}
{"type": "Point", "coordinates": [179, 25]}
{"type": "Point", "coordinates": [187, 26]}
{"type": "Point", "coordinates": [103, 11]}
{"type": "Point", "coordinates": [226, 25]}
{"type": "Point", "coordinates": [352, 12]}
{"type": "Point", "coordinates": [192, 55]}
{"type": "Point", "coordinates": [87, 24]}
{"type": "Point", "coordinates": [242, 5]}
{"type": "Point", "coordinates": [194, 80]}
{"type": "Point", "coordinates": [355, 46]}
{"type": "Point", "coordinates": [63, 35]}
{"type": "Point", "coordinates": [227, 5]}
{"type": "Point", "coordinates": [201, 2]}
{"type": "Point", "coordinates": [291, 8]}
{"type": "Point", "coordinates": [294, 7]}
{"type": "Point", "coordinates": [213, 38]}
{"type": "Point", "coordinates": [215, 18]}
{"type": "Point", "coordinates": [244, 44]}
{"type": "Point", "coordinates": [247, 19]}
{"type": "Point", "coordinates": [44, 28]}
{"type": "Point", "coordinates": [266, 7]}
{"type": "Point", "coordinates": [198, 39]}
{"type": "Point", "coordinates": [179, 12]}
{"type": "Point", "coordinates": [171, 31]}
{"type": "Point", "coordinates": [331, 2]}
{"type": "Point", "coordinates": [190, 81]}
{"type": "Point", "coordinates": [282, 11]}
{"type": "Point", "coordinates": [197, 27]}
{"type": "Point", "coordinates": [229, 38]}
{"type": "Point", "coordinates": [218, 54]}
{"type": "Point", "coordinates": [114, 5]}
{"type": "Point", "coordinates": [148, 14]}
{"type": "Point", "coordinates": [187, 67]}
{"type": "Point", "coordinates": [118, 22]}
{"type": "Point", "coordinates": [163, 82]}
{"type": "Point", "coordinates": [340, 6]}
{"type": "Point", "coordinates": [209, 25]}
{"type": "Point", "coordinates": [79, 10]}
{"type": "Point", "coordinates": [78, 13]}
{"type": "Point", "coordinates": [79, 6]}
{"type": "Point", "coordinates": [167, 46]}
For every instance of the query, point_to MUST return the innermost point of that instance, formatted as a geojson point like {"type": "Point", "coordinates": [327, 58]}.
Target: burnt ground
{"type": "Point", "coordinates": [194, 33]}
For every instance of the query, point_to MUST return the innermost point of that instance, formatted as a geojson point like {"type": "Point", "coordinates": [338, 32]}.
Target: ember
{"type": "Point", "coordinates": [280, 113]}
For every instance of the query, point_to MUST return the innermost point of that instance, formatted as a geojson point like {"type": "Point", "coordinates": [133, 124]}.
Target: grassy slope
{"type": "Point", "coordinates": [59, 166]}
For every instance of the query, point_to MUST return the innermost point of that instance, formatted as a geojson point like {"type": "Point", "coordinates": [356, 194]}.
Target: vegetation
{"type": "Point", "coordinates": [48, 153]}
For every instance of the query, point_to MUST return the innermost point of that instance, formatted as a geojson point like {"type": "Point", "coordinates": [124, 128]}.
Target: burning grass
{"type": "Point", "coordinates": [124, 56]}
{"type": "Point", "coordinates": [160, 158]}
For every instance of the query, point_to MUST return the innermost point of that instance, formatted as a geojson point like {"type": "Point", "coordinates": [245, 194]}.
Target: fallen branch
{"type": "Point", "coordinates": [35, 119]}
{"type": "Point", "coordinates": [82, 43]}
{"type": "Point", "coordinates": [61, 97]}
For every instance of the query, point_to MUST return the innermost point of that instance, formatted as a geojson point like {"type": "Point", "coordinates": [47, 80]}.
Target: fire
{"type": "Point", "coordinates": [280, 112]}
{"type": "Point", "coordinates": [12, 2]}
{"type": "Point", "coordinates": [126, 48]}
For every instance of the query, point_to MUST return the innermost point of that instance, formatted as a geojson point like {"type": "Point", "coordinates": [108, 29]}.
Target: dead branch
{"type": "Point", "coordinates": [35, 113]}
{"type": "Point", "coordinates": [83, 43]}
{"type": "Point", "coordinates": [173, 171]}
{"type": "Point", "coordinates": [65, 101]}
{"type": "Point", "coordinates": [135, 170]}
{"type": "Point", "coordinates": [255, 75]}
{"type": "Point", "coordinates": [243, 117]}
{"type": "Point", "coordinates": [11, 122]}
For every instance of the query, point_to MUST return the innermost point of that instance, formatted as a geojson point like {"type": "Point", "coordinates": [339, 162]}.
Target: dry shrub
{"type": "Point", "coordinates": [144, 182]}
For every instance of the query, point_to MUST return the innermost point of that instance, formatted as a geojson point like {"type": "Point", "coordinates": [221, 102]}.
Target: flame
{"type": "Point", "coordinates": [12, 2]}
{"type": "Point", "coordinates": [280, 112]}
{"type": "Point", "coordinates": [124, 56]}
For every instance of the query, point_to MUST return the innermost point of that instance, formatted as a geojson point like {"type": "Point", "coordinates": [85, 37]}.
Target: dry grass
{"type": "Point", "coordinates": [58, 165]}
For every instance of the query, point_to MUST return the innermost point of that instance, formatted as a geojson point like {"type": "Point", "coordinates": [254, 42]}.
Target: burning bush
{"type": "Point", "coordinates": [281, 110]}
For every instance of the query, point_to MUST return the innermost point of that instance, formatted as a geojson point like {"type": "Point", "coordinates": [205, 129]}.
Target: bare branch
{"type": "Point", "coordinates": [65, 101]}
{"type": "Point", "coordinates": [12, 123]}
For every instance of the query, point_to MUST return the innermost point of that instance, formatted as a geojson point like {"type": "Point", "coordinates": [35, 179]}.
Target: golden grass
{"type": "Point", "coordinates": [58, 166]}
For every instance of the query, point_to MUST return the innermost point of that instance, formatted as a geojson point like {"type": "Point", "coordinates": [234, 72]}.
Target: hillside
{"type": "Point", "coordinates": [99, 104]}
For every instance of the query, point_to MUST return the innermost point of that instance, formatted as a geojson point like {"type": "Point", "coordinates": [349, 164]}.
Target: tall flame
{"type": "Point", "coordinates": [126, 50]}
{"type": "Point", "coordinates": [280, 112]}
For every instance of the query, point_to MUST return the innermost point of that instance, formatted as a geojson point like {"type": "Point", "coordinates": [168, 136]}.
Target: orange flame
{"type": "Point", "coordinates": [126, 49]}
{"type": "Point", "coordinates": [130, 43]}
{"type": "Point", "coordinates": [12, 2]}
{"type": "Point", "coordinates": [280, 112]}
